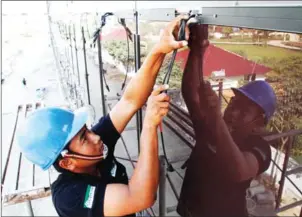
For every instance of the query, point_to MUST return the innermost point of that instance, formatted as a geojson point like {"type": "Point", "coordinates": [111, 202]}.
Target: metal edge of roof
{"type": "Point", "coordinates": [285, 19]}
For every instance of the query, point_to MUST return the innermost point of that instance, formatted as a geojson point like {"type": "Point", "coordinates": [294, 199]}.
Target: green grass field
{"type": "Point", "coordinates": [258, 53]}
{"type": "Point", "coordinates": [236, 39]}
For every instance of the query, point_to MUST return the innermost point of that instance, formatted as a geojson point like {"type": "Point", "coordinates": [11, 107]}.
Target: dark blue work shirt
{"type": "Point", "coordinates": [82, 194]}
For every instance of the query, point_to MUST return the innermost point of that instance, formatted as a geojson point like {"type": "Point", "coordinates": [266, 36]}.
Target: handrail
{"type": "Point", "coordinates": [291, 181]}
{"type": "Point", "coordinates": [274, 137]}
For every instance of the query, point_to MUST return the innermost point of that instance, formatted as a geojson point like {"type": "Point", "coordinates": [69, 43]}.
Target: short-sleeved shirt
{"type": "Point", "coordinates": [206, 191]}
{"type": "Point", "coordinates": [82, 194]}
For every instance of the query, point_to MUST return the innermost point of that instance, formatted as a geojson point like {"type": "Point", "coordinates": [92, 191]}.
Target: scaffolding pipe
{"type": "Point", "coordinates": [76, 53]}
{"type": "Point", "coordinates": [162, 186]}
{"type": "Point", "coordinates": [101, 72]}
{"type": "Point", "coordinates": [73, 86]}
{"type": "Point", "coordinates": [139, 121]}
{"type": "Point", "coordinates": [220, 89]}
{"type": "Point", "coordinates": [283, 175]}
{"type": "Point", "coordinates": [85, 64]}
{"type": "Point", "coordinates": [58, 71]}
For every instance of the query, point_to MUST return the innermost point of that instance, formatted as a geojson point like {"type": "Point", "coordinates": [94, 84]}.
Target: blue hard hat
{"type": "Point", "coordinates": [261, 93]}
{"type": "Point", "coordinates": [46, 132]}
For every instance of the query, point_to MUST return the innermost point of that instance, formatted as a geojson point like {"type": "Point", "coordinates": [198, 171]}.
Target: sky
{"type": "Point", "coordinates": [39, 7]}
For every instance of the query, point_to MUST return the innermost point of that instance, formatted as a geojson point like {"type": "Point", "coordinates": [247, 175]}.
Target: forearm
{"type": "Point", "coordinates": [233, 162]}
{"type": "Point", "coordinates": [144, 181]}
{"type": "Point", "coordinates": [193, 71]}
{"type": "Point", "coordinates": [141, 85]}
{"type": "Point", "coordinates": [190, 84]}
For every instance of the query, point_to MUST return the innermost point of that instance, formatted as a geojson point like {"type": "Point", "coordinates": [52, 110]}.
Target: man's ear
{"type": "Point", "coordinates": [67, 163]}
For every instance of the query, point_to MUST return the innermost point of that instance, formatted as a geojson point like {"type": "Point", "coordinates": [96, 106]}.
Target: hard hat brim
{"type": "Point", "coordinates": [242, 92]}
{"type": "Point", "coordinates": [80, 119]}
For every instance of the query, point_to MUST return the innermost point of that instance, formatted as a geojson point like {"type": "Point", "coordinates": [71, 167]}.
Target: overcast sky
{"type": "Point", "coordinates": [39, 7]}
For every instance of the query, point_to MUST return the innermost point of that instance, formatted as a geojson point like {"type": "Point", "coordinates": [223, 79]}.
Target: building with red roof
{"type": "Point", "coordinates": [219, 61]}
{"type": "Point", "coordinates": [116, 34]}
{"type": "Point", "coordinates": [216, 59]}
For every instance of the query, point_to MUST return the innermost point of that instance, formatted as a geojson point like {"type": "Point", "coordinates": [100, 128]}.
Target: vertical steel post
{"type": "Point", "coordinates": [220, 89]}
{"type": "Point", "coordinates": [87, 26]}
{"type": "Point", "coordinates": [29, 208]}
{"type": "Point", "coordinates": [73, 85]}
{"type": "Point", "coordinates": [139, 121]}
{"type": "Point", "coordinates": [101, 72]}
{"type": "Point", "coordinates": [72, 63]}
{"type": "Point", "coordinates": [76, 53]}
{"type": "Point", "coordinates": [162, 186]}
{"type": "Point", "coordinates": [85, 63]}
{"type": "Point", "coordinates": [283, 175]}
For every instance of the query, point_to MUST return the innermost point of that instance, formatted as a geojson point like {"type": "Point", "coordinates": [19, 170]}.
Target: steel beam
{"type": "Point", "coordinates": [285, 19]}
{"type": "Point", "coordinates": [155, 14]}
{"type": "Point", "coordinates": [282, 18]}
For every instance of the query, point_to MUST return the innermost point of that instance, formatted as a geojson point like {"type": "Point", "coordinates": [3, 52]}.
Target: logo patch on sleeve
{"type": "Point", "coordinates": [89, 196]}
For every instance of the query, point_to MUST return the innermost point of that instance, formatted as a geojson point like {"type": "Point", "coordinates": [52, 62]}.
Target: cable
{"type": "Point", "coordinates": [127, 69]}
{"type": "Point", "coordinates": [128, 35]}
{"type": "Point", "coordinates": [169, 165]}
{"type": "Point", "coordinates": [105, 81]}
{"type": "Point", "coordinates": [181, 36]}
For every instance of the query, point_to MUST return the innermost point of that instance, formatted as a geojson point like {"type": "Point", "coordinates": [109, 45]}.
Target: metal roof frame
{"type": "Point", "coordinates": [285, 19]}
{"type": "Point", "coordinates": [282, 18]}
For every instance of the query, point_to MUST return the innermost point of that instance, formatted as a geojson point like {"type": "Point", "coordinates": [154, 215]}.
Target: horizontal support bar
{"type": "Point", "coordinates": [297, 169]}
{"type": "Point", "coordinates": [154, 14]}
{"type": "Point", "coordinates": [285, 19]}
{"type": "Point", "coordinates": [22, 196]}
{"type": "Point", "coordinates": [273, 137]}
{"type": "Point", "coordinates": [289, 206]}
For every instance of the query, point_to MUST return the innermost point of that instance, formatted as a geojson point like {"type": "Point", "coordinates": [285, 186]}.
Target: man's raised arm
{"type": "Point", "coordinates": [140, 86]}
{"type": "Point", "coordinates": [193, 70]}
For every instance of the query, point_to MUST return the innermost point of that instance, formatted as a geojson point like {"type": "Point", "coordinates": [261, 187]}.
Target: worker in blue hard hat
{"type": "Point", "coordinates": [92, 182]}
{"type": "Point", "coordinates": [229, 150]}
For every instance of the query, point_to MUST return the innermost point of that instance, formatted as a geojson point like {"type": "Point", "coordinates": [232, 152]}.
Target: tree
{"type": "Point", "coordinates": [286, 80]}
{"type": "Point", "coordinates": [227, 30]}
{"type": "Point", "coordinates": [119, 50]}
{"type": "Point", "coordinates": [176, 74]}
{"type": "Point", "coordinates": [261, 35]}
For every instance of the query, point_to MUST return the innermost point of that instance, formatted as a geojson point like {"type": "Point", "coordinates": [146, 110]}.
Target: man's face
{"type": "Point", "coordinates": [87, 143]}
{"type": "Point", "coordinates": [242, 111]}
